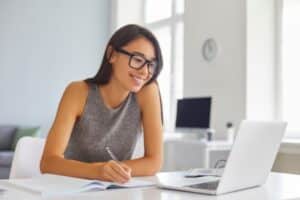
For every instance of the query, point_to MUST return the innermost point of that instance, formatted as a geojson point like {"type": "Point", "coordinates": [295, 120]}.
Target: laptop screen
{"type": "Point", "coordinates": [193, 112]}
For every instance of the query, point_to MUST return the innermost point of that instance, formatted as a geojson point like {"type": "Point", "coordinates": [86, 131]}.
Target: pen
{"type": "Point", "coordinates": [111, 154]}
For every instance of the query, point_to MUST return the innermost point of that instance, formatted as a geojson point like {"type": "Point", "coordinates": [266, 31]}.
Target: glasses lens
{"type": "Point", "coordinates": [137, 62]}
{"type": "Point", "coordinates": [152, 67]}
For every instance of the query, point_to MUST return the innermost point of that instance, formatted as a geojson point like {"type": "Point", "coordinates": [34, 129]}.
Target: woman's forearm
{"type": "Point", "coordinates": [146, 166]}
{"type": "Point", "coordinates": [61, 166]}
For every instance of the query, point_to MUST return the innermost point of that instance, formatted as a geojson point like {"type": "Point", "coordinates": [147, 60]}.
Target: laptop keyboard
{"type": "Point", "coordinates": [198, 172]}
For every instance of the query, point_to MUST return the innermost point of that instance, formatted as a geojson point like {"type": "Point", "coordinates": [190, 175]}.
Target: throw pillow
{"type": "Point", "coordinates": [6, 136]}
{"type": "Point", "coordinates": [24, 131]}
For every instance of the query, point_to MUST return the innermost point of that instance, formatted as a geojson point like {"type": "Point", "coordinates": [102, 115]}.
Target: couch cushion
{"type": "Point", "coordinates": [6, 158]}
{"type": "Point", "coordinates": [24, 131]}
{"type": "Point", "coordinates": [6, 136]}
{"type": "Point", "coordinates": [4, 172]}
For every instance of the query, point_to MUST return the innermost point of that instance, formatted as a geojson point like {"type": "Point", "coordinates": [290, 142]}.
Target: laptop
{"type": "Point", "coordinates": [248, 165]}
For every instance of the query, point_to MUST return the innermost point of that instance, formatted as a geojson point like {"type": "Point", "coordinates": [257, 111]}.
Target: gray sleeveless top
{"type": "Point", "coordinates": [99, 127]}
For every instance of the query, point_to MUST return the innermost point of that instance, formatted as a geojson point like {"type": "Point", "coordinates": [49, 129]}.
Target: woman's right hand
{"type": "Point", "coordinates": [115, 172]}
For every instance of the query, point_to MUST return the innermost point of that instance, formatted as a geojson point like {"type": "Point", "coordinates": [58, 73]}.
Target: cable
{"type": "Point", "coordinates": [220, 163]}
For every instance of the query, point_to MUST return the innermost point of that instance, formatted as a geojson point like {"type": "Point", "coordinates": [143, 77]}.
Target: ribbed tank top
{"type": "Point", "coordinates": [99, 127]}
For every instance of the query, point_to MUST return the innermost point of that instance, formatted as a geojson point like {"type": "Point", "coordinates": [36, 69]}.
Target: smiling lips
{"type": "Point", "coordinates": [137, 80]}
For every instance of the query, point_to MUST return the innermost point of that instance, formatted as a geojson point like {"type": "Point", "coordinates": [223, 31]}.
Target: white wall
{"type": "Point", "coordinates": [242, 77]}
{"type": "Point", "coordinates": [224, 77]}
{"type": "Point", "coordinates": [43, 46]}
{"type": "Point", "coordinates": [261, 59]}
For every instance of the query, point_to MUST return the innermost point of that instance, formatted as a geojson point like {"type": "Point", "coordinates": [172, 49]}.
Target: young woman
{"type": "Point", "coordinates": [105, 114]}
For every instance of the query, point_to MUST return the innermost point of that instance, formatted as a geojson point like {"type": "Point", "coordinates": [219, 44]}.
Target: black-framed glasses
{"type": "Point", "coordinates": [137, 61]}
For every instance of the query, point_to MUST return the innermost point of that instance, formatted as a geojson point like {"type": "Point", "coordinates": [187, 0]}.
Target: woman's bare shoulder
{"type": "Point", "coordinates": [75, 95]}
{"type": "Point", "coordinates": [148, 93]}
{"type": "Point", "coordinates": [77, 87]}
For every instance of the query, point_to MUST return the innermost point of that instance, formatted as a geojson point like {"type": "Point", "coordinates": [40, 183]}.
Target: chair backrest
{"type": "Point", "coordinates": [139, 148]}
{"type": "Point", "coordinates": [27, 157]}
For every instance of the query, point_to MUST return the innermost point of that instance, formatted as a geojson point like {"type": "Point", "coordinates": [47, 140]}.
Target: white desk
{"type": "Point", "coordinates": [278, 186]}
{"type": "Point", "coordinates": [182, 153]}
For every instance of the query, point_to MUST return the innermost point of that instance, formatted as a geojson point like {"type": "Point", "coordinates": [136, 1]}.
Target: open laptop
{"type": "Point", "coordinates": [249, 163]}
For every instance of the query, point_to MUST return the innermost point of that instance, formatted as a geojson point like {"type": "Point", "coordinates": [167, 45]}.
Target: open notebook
{"type": "Point", "coordinates": [50, 184]}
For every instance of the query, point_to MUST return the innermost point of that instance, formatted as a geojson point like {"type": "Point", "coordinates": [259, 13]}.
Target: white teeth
{"type": "Point", "coordinates": [137, 79]}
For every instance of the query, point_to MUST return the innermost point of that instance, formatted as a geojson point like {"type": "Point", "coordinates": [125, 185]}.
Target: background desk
{"type": "Point", "coordinates": [278, 186]}
{"type": "Point", "coordinates": [182, 153]}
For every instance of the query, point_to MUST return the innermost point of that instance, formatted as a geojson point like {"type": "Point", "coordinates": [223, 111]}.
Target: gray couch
{"type": "Point", "coordinates": [9, 136]}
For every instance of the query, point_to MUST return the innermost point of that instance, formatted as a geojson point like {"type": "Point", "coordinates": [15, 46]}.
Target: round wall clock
{"type": "Point", "coordinates": [209, 49]}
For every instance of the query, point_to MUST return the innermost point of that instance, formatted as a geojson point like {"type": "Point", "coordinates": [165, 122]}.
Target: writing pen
{"type": "Point", "coordinates": [111, 154]}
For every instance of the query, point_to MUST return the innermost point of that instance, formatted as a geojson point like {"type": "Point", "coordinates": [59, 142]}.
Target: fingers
{"type": "Point", "coordinates": [117, 172]}
{"type": "Point", "coordinates": [120, 171]}
{"type": "Point", "coordinates": [126, 168]}
{"type": "Point", "coordinates": [115, 177]}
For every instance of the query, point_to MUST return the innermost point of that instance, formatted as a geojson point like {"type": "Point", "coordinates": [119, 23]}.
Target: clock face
{"type": "Point", "coordinates": [209, 49]}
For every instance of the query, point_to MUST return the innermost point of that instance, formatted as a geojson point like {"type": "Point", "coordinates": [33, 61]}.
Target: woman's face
{"type": "Point", "coordinates": [132, 64]}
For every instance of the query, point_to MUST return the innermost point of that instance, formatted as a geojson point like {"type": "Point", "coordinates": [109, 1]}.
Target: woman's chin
{"type": "Point", "coordinates": [135, 88]}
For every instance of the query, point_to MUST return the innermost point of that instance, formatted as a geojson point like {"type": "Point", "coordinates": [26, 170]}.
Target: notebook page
{"type": "Point", "coordinates": [49, 183]}
{"type": "Point", "coordinates": [132, 183]}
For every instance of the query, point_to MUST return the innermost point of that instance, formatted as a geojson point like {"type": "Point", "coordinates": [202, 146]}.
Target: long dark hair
{"type": "Point", "coordinates": [121, 38]}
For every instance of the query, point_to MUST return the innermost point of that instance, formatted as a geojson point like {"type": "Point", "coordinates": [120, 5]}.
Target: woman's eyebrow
{"type": "Point", "coordinates": [143, 55]}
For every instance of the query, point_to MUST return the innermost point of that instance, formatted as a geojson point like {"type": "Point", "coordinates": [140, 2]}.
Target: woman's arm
{"type": "Point", "coordinates": [53, 161]}
{"type": "Point", "coordinates": [149, 100]}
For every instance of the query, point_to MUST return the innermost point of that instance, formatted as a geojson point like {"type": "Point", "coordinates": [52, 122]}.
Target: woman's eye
{"type": "Point", "coordinates": [152, 65]}
{"type": "Point", "coordinates": [138, 59]}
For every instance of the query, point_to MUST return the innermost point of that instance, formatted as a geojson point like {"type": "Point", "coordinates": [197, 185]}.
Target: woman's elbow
{"type": "Point", "coordinates": [45, 164]}
{"type": "Point", "coordinates": [155, 167]}
{"type": "Point", "coordinates": [154, 171]}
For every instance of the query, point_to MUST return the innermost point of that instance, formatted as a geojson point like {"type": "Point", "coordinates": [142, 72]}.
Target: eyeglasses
{"type": "Point", "coordinates": [138, 62]}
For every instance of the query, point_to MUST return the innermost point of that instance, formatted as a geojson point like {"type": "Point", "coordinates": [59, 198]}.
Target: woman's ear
{"type": "Point", "coordinates": [110, 54]}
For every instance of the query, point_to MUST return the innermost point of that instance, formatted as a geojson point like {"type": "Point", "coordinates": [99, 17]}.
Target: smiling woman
{"type": "Point", "coordinates": [109, 111]}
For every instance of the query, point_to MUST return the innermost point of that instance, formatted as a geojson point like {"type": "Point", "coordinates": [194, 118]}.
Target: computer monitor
{"type": "Point", "coordinates": [193, 113]}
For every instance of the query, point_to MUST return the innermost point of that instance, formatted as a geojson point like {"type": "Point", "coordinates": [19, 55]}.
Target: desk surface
{"type": "Point", "coordinates": [278, 186]}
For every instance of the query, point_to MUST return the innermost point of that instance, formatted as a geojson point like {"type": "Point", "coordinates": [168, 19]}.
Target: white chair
{"type": "Point", "coordinates": [28, 153]}
{"type": "Point", "coordinates": [139, 148]}
{"type": "Point", "coordinates": [27, 157]}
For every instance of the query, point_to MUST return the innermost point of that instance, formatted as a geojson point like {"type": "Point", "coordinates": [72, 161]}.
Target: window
{"type": "Point", "coordinates": [165, 19]}
{"type": "Point", "coordinates": [290, 66]}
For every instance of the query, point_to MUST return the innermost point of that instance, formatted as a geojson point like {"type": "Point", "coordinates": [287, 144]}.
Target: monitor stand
{"type": "Point", "coordinates": [196, 133]}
